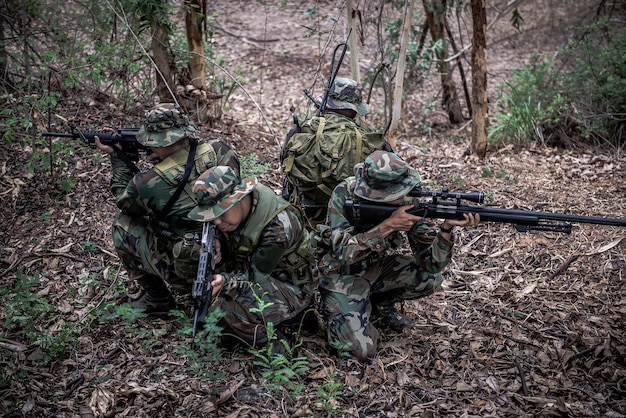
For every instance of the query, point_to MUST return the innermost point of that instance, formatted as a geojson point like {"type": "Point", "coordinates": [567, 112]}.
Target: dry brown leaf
{"type": "Point", "coordinates": [461, 386]}
{"type": "Point", "coordinates": [228, 393]}
{"type": "Point", "coordinates": [101, 401]}
{"type": "Point", "coordinates": [606, 247]}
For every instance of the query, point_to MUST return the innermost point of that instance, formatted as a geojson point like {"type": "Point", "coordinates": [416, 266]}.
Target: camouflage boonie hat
{"type": "Point", "coordinates": [384, 177]}
{"type": "Point", "coordinates": [344, 94]}
{"type": "Point", "coordinates": [165, 125]}
{"type": "Point", "coordinates": [218, 189]}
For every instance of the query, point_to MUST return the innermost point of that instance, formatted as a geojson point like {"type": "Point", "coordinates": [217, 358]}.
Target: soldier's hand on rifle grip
{"type": "Point", "coordinates": [217, 284]}
{"type": "Point", "coordinates": [469, 219]}
{"type": "Point", "coordinates": [399, 220]}
{"type": "Point", "coordinates": [105, 148]}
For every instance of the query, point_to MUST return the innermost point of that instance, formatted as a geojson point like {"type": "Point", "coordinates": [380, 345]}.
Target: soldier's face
{"type": "Point", "coordinates": [233, 217]}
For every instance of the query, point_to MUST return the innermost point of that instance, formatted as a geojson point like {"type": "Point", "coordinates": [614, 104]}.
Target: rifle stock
{"type": "Point", "coordinates": [201, 291]}
{"type": "Point", "coordinates": [369, 214]}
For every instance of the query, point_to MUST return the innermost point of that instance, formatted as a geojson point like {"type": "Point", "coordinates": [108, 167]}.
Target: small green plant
{"type": "Point", "coordinates": [26, 311]}
{"type": "Point", "coordinates": [505, 176]}
{"type": "Point", "coordinates": [124, 312]}
{"type": "Point", "coordinates": [487, 172]}
{"type": "Point", "coordinates": [328, 394]}
{"type": "Point", "coordinates": [251, 167]}
{"type": "Point", "coordinates": [45, 217]}
{"type": "Point", "coordinates": [204, 351]}
{"type": "Point", "coordinates": [458, 181]}
{"type": "Point", "coordinates": [89, 246]}
{"type": "Point", "coordinates": [281, 368]}
{"type": "Point", "coordinates": [489, 196]}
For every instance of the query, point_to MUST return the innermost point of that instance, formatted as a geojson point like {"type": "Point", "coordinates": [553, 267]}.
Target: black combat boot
{"type": "Point", "coordinates": [390, 316]}
{"type": "Point", "coordinates": [156, 297]}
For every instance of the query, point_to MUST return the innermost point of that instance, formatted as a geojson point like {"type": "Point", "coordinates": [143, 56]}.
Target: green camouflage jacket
{"type": "Point", "coordinates": [350, 245]}
{"type": "Point", "coordinates": [146, 193]}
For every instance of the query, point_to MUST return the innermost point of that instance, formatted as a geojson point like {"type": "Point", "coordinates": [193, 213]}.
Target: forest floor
{"type": "Point", "coordinates": [525, 325]}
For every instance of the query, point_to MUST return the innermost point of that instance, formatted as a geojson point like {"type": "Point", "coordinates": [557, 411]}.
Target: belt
{"type": "Point", "coordinates": [356, 268]}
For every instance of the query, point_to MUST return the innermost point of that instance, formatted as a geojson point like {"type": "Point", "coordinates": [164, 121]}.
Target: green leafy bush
{"type": "Point", "coordinates": [579, 99]}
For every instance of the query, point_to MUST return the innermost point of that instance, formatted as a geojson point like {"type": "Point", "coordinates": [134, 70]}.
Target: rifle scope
{"type": "Point", "coordinates": [445, 194]}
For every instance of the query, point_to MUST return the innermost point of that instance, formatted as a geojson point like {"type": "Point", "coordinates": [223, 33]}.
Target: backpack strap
{"type": "Point", "coordinates": [359, 143]}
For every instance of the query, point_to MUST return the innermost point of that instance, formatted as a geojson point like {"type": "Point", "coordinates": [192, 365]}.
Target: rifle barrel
{"type": "Point", "coordinates": [60, 134]}
{"type": "Point", "coordinates": [499, 213]}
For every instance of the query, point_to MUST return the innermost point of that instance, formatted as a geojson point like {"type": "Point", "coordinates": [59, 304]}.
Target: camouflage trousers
{"type": "Point", "coordinates": [249, 307]}
{"type": "Point", "coordinates": [346, 305]}
{"type": "Point", "coordinates": [143, 252]}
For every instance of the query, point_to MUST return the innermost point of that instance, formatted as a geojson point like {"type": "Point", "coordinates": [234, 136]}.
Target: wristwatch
{"type": "Point", "coordinates": [446, 230]}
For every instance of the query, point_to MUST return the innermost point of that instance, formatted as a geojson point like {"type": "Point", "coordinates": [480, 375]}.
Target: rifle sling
{"type": "Point", "coordinates": [181, 185]}
{"type": "Point", "coordinates": [124, 157]}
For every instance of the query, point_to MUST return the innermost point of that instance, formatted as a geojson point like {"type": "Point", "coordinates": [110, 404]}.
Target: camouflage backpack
{"type": "Point", "coordinates": [322, 155]}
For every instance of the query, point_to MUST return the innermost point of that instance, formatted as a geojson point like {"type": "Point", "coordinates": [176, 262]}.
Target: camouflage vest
{"type": "Point", "coordinates": [323, 154]}
{"type": "Point", "coordinates": [172, 169]}
{"type": "Point", "coordinates": [292, 262]}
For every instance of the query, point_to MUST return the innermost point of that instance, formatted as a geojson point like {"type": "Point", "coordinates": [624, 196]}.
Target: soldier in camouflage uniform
{"type": "Point", "coordinates": [264, 252]}
{"type": "Point", "coordinates": [344, 100]}
{"type": "Point", "coordinates": [357, 272]}
{"type": "Point", "coordinates": [344, 106]}
{"type": "Point", "coordinates": [148, 240]}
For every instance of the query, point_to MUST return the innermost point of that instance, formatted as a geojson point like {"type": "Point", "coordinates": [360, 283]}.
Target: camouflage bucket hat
{"type": "Point", "coordinates": [384, 177]}
{"type": "Point", "coordinates": [165, 125]}
{"type": "Point", "coordinates": [218, 189]}
{"type": "Point", "coordinates": [344, 94]}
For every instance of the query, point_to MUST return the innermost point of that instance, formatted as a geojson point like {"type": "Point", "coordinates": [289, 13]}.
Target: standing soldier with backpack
{"type": "Point", "coordinates": [322, 151]}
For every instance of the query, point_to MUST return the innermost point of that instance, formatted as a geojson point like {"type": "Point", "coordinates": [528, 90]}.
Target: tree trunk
{"type": "Point", "coordinates": [479, 78]}
{"type": "Point", "coordinates": [195, 15]}
{"type": "Point", "coordinates": [161, 57]}
{"type": "Point", "coordinates": [436, 15]}
{"type": "Point", "coordinates": [399, 80]}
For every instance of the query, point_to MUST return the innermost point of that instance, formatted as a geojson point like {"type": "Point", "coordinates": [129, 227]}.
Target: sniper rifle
{"type": "Point", "coordinates": [201, 292]}
{"type": "Point", "coordinates": [448, 205]}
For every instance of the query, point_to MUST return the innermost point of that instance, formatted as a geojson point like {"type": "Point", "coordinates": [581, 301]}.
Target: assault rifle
{"type": "Point", "coordinates": [125, 137]}
{"type": "Point", "coordinates": [448, 205]}
{"type": "Point", "coordinates": [202, 289]}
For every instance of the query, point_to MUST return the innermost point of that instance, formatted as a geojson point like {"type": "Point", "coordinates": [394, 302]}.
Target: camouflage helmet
{"type": "Point", "coordinates": [218, 189]}
{"type": "Point", "coordinates": [165, 125]}
{"type": "Point", "coordinates": [384, 177]}
{"type": "Point", "coordinates": [345, 94]}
